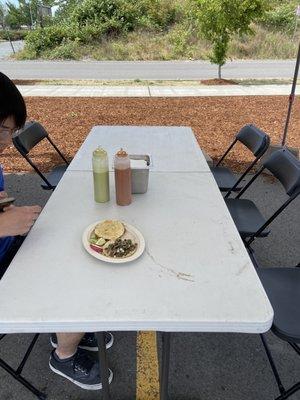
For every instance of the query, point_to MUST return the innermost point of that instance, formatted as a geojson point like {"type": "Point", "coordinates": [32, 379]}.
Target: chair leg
{"type": "Point", "coordinates": [27, 354]}
{"type": "Point", "coordinates": [284, 394]}
{"type": "Point", "coordinates": [289, 392]}
{"type": "Point", "coordinates": [273, 366]}
{"type": "Point", "coordinates": [17, 373]}
{"type": "Point", "coordinates": [165, 366]}
{"type": "Point", "coordinates": [103, 366]}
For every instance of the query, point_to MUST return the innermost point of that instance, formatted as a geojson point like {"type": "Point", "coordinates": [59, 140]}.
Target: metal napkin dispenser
{"type": "Point", "coordinates": [140, 164]}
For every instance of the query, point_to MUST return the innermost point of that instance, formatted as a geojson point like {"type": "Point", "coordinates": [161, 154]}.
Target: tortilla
{"type": "Point", "coordinates": [110, 230]}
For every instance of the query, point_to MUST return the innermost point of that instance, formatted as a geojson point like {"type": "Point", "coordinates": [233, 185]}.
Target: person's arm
{"type": "Point", "coordinates": [18, 220]}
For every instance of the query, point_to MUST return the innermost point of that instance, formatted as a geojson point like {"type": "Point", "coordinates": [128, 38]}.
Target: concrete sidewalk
{"type": "Point", "coordinates": [154, 91]}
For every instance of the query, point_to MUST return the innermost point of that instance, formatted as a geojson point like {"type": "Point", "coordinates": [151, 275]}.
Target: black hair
{"type": "Point", "coordinates": [12, 103]}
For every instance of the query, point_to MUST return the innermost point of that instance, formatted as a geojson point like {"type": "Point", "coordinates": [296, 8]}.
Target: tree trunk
{"type": "Point", "coordinates": [219, 71]}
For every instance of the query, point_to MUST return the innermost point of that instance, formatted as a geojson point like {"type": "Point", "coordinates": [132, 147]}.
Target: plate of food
{"type": "Point", "coordinates": [113, 241]}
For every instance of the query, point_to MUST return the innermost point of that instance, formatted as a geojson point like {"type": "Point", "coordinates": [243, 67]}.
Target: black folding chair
{"type": "Point", "coordinates": [25, 139]}
{"type": "Point", "coordinates": [17, 373]}
{"type": "Point", "coordinates": [247, 217]}
{"type": "Point", "coordinates": [257, 142]}
{"type": "Point", "coordinates": [282, 286]}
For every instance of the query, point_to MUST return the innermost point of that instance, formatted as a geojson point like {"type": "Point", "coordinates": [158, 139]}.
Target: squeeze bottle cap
{"type": "Point", "coordinates": [99, 152]}
{"type": "Point", "coordinates": [122, 153]}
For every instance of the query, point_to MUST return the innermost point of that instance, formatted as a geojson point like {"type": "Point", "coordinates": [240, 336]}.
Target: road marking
{"type": "Point", "coordinates": [147, 370]}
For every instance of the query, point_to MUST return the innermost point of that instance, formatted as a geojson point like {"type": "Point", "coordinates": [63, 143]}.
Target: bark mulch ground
{"type": "Point", "coordinates": [214, 120]}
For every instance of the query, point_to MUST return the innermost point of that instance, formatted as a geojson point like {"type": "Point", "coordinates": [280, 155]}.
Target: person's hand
{"type": "Point", "coordinates": [3, 195]}
{"type": "Point", "coordinates": [18, 220]}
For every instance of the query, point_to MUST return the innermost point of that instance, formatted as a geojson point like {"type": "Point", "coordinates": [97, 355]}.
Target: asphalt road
{"type": "Point", "coordinates": [206, 366]}
{"type": "Point", "coordinates": [164, 70]}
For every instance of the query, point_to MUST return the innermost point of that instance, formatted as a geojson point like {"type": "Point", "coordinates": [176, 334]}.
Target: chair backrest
{"type": "Point", "coordinates": [26, 138]}
{"type": "Point", "coordinates": [254, 139]}
{"type": "Point", "coordinates": [286, 168]}
{"type": "Point", "coordinates": [29, 136]}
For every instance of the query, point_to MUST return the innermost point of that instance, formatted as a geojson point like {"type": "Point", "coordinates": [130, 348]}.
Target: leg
{"type": "Point", "coordinates": [75, 364]}
{"type": "Point", "coordinates": [67, 344]}
{"type": "Point", "coordinates": [11, 252]}
{"type": "Point", "coordinates": [164, 376]}
{"type": "Point", "coordinates": [103, 365]}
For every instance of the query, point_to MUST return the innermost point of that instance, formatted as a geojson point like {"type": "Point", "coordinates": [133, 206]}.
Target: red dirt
{"type": "Point", "coordinates": [214, 120]}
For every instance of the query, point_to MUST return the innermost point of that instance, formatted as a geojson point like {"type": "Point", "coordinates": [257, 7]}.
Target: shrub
{"type": "Point", "coordinates": [40, 39]}
{"type": "Point", "coordinates": [13, 34]}
{"type": "Point", "coordinates": [67, 50]}
{"type": "Point", "coordinates": [281, 18]}
{"type": "Point", "coordinates": [115, 15]}
{"type": "Point", "coordinates": [158, 13]}
{"type": "Point", "coordinates": [46, 38]}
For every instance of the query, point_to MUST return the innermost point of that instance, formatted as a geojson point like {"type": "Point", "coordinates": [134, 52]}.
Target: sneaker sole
{"type": "Point", "coordinates": [108, 345]}
{"type": "Point", "coordinates": [97, 386]}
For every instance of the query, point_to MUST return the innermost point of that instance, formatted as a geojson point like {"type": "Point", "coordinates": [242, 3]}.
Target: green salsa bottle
{"type": "Point", "coordinates": [101, 175]}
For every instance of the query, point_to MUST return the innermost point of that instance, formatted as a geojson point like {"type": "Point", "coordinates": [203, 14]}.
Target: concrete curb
{"type": "Point", "coordinates": [154, 91]}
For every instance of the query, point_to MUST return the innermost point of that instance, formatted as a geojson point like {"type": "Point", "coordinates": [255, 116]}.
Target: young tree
{"type": "Point", "coordinates": [219, 20]}
{"type": "Point", "coordinates": [25, 13]}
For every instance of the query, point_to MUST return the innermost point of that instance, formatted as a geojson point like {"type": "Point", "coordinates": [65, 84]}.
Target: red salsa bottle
{"type": "Point", "coordinates": [122, 178]}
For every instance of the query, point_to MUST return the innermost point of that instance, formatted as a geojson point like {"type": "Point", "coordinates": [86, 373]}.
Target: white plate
{"type": "Point", "coordinates": [131, 229]}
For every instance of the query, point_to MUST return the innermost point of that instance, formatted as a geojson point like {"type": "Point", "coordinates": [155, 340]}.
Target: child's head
{"type": "Point", "coordinates": [12, 110]}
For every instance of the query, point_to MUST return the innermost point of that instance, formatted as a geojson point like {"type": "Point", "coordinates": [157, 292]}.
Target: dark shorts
{"type": "Point", "coordinates": [11, 252]}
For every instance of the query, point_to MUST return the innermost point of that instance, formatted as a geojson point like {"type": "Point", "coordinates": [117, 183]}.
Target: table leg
{"type": "Point", "coordinates": [104, 372]}
{"type": "Point", "coordinates": [165, 366]}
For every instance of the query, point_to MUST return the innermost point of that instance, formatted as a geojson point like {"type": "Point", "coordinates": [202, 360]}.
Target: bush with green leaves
{"type": "Point", "coordinates": [91, 19]}
{"type": "Point", "coordinates": [124, 15]}
{"type": "Point", "coordinates": [41, 39]}
{"type": "Point", "coordinates": [281, 18]}
{"type": "Point", "coordinates": [67, 50]}
{"type": "Point", "coordinates": [13, 34]}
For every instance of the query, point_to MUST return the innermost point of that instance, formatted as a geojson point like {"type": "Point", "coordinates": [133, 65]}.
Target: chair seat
{"type": "Point", "coordinates": [225, 179]}
{"type": "Point", "coordinates": [282, 286]}
{"type": "Point", "coordinates": [246, 217]}
{"type": "Point", "coordinates": [54, 176]}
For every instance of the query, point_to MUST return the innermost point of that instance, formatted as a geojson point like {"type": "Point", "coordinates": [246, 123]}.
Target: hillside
{"type": "Point", "coordinates": [155, 30]}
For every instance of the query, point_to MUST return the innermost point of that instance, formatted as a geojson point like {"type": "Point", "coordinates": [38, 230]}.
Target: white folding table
{"type": "Point", "coordinates": [170, 148]}
{"type": "Point", "coordinates": [194, 276]}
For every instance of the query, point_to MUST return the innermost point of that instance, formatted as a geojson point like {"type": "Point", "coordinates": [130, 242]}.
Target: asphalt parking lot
{"type": "Point", "coordinates": [203, 366]}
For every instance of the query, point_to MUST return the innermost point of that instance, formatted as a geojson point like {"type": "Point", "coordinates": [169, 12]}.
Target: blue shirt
{"type": "Point", "coordinates": [5, 242]}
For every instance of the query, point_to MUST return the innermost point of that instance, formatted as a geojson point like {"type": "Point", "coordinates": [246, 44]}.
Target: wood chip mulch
{"type": "Point", "coordinates": [214, 120]}
{"type": "Point", "coordinates": [218, 82]}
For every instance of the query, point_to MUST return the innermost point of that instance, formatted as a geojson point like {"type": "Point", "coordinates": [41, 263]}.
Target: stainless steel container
{"type": "Point", "coordinates": [140, 164]}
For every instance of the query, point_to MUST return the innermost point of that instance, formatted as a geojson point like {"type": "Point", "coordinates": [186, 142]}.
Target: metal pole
{"type": "Point", "coordinates": [104, 371]}
{"type": "Point", "coordinates": [165, 367]}
{"type": "Point", "coordinates": [30, 11]}
{"type": "Point", "coordinates": [291, 99]}
{"type": "Point", "coordinates": [7, 33]}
